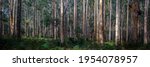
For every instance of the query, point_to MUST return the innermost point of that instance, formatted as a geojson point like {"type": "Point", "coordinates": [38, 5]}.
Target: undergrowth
{"type": "Point", "coordinates": [69, 44]}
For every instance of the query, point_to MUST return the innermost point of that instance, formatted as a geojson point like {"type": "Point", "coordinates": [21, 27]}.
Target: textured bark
{"type": "Point", "coordinates": [67, 18]}
{"type": "Point", "coordinates": [95, 18]}
{"type": "Point", "coordinates": [104, 18]}
{"type": "Point", "coordinates": [19, 19]}
{"type": "Point", "coordinates": [135, 13]}
{"type": "Point", "coordinates": [110, 22]}
{"type": "Point", "coordinates": [83, 22]}
{"type": "Point", "coordinates": [145, 22]}
{"type": "Point", "coordinates": [97, 28]}
{"type": "Point", "coordinates": [117, 26]}
{"type": "Point", "coordinates": [34, 20]}
{"type": "Point", "coordinates": [101, 23]}
{"type": "Point", "coordinates": [122, 16]}
{"type": "Point", "coordinates": [75, 18]}
{"type": "Point", "coordinates": [87, 19]}
{"type": "Point", "coordinates": [70, 24]}
{"type": "Point", "coordinates": [127, 22]}
{"type": "Point", "coordinates": [54, 18]}
{"type": "Point", "coordinates": [62, 23]}
{"type": "Point", "coordinates": [11, 17]}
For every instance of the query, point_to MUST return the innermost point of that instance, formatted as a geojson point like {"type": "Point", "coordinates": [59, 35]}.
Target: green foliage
{"type": "Point", "coordinates": [109, 45]}
{"type": "Point", "coordinates": [76, 47]}
{"type": "Point", "coordinates": [70, 44]}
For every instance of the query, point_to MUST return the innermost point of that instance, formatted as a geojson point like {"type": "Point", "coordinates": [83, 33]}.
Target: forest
{"type": "Point", "coordinates": [74, 25]}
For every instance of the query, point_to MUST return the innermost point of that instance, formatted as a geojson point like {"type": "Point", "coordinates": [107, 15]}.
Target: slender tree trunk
{"type": "Point", "coordinates": [15, 4]}
{"type": "Point", "coordinates": [11, 17]}
{"type": "Point", "coordinates": [19, 19]}
{"type": "Point", "coordinates": [95, 18]}
{"type": "Point", "coordinates": [101, 23]}
{"type": "Point", "coordinates": [40, 24]}
{"type": "Point", "coordinates": [97, 32]}
{"type": "Point", "coordinates": [34, 20]}
{"type": "Point", "coordinates": [54, 18]}
{"type": "Point", "coordinates": [70, 24]}
{"type": "Point", "coordinates": [75, 18]}
{"type": "Point", "coordinates": [66, 18]}
{"type": "Point", "coordinates": [62, 23]}
{"type": "Point", "coordinates": [122, 10]}
{"type": "Point", "coordinates": [87, 19]}
{"type": "Point", "coordinates": [83, 22]}
{"type": "Point", "coordinates": [127, 23]}
{"type": "Point", "coordinates": [67, 12]}
{"type": "Point", "coordinates": [110, 22]}
{"type": "Point", "coordinates": [104, 17]}
{"type": "Point", "coordinates": [1, 22]}
{"type": "Point", "coordinates": [145, 21]}
{"type": "Point", "coordinates": [117, 26]}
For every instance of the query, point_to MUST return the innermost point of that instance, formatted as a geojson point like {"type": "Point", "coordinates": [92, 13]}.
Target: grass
{"type": "Point", "coordinates": [69, 44]}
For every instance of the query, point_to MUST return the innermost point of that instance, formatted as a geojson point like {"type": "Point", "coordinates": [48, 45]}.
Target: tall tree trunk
{"type": "Point", "coordinates": [62, 23]}
{"type": "Point", "coordinates": [1, 22]}
{"type": "Point", "coordinates": [95, 18]}
{"type": "Point", "coordinates": [75, 18]}
{"type": "Point", "coordinates": [34, 19]}
{"type": "Point", "coordinates": [104, 17]}
{"type": "Point", "coordinates": [97, 28]}
{"type": "Point", "coordinates": [11, 17]}
{"type": "Point", "coordinates": [122, 15]}
{"type": "Point", "coordinates": [87, 19]}
{"type": "Point", "coordinates": [83, 22]}
{"type": "Point", "coordinates": [67, 16]}
{"type": "Point", "coordinates": [117, 26]}
{"type": "Point", "coordinates": [110, 22]}
{"type": "Point", "coordinates": [127, 22]}
{"type": "Point", "coordinates": [19, 19]}
{"type": "Point", "coordinates": [70, 24]}
{"type": "Point", "coordinates": [135, 10]}
{"type": "Point", "coordinates": [101, 23]}
{"type": "Point", "coordinates": [15, 3]}
{"type": "Point", "coordinates": [54, 18]}
{"type": "Point", "coordinates": [145, 21]}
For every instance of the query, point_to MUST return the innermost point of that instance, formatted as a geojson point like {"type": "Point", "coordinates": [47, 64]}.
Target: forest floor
{"type": "Point", "coordinates": [70, 44]}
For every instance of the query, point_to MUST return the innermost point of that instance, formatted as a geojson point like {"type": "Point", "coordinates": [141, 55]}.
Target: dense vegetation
{"type": "Point", "coordinates": [74, 24]}
{"type": "Point", "coordinates": [70, 44]}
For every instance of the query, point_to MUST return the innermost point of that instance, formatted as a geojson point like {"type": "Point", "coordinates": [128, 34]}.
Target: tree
{"type": "Point", "coordinates": [83, 22]}
{"type": "Point", "coordinates": [1, 22]}
{"type": "Point", "coordinates": [87, 19]}
{"type": "Point", "coordinates": [54, 18]}
{"type": "Point", "coordinates": [110, 22]}
{"type": "Point", "coordinates": [101, 24]}
{"type": "Point", "coordinates": [12, 23]}
{"type": "Point", "coordinates": [127, 23]}
{"type": "Point", "coordinates": [34, 19]}
{"type": "Point", "coordinates": [104, 17]}
{"type": "Point", "coordinates": [145, 21]}
{"type": "Point", "coordinates": [117, 25]}
{"type": "Point", "coordinates": [135, 13]}
{"type": "Point", "coordinates": [62, 22]}
{"type": "Point", "coordinates": [75, 18]}
{"type": "Point", "coordinates": [97, 22]}
{"type": "Point", "coordinates": [95, 18]}
{"type": "Point", "coordinates": [19, 19]}
{"type": "Point", "coordinates": [67, 18]}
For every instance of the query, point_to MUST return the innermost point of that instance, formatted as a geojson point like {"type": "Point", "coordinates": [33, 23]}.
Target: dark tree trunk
{"type": "Point", "coordinates": [19, 19]}
{"type": "Point", "coordinates": [1, 22]}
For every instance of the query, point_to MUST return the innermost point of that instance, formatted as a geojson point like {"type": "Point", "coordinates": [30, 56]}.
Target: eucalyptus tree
{"type": "Point", "coordinates": [145, 21]}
